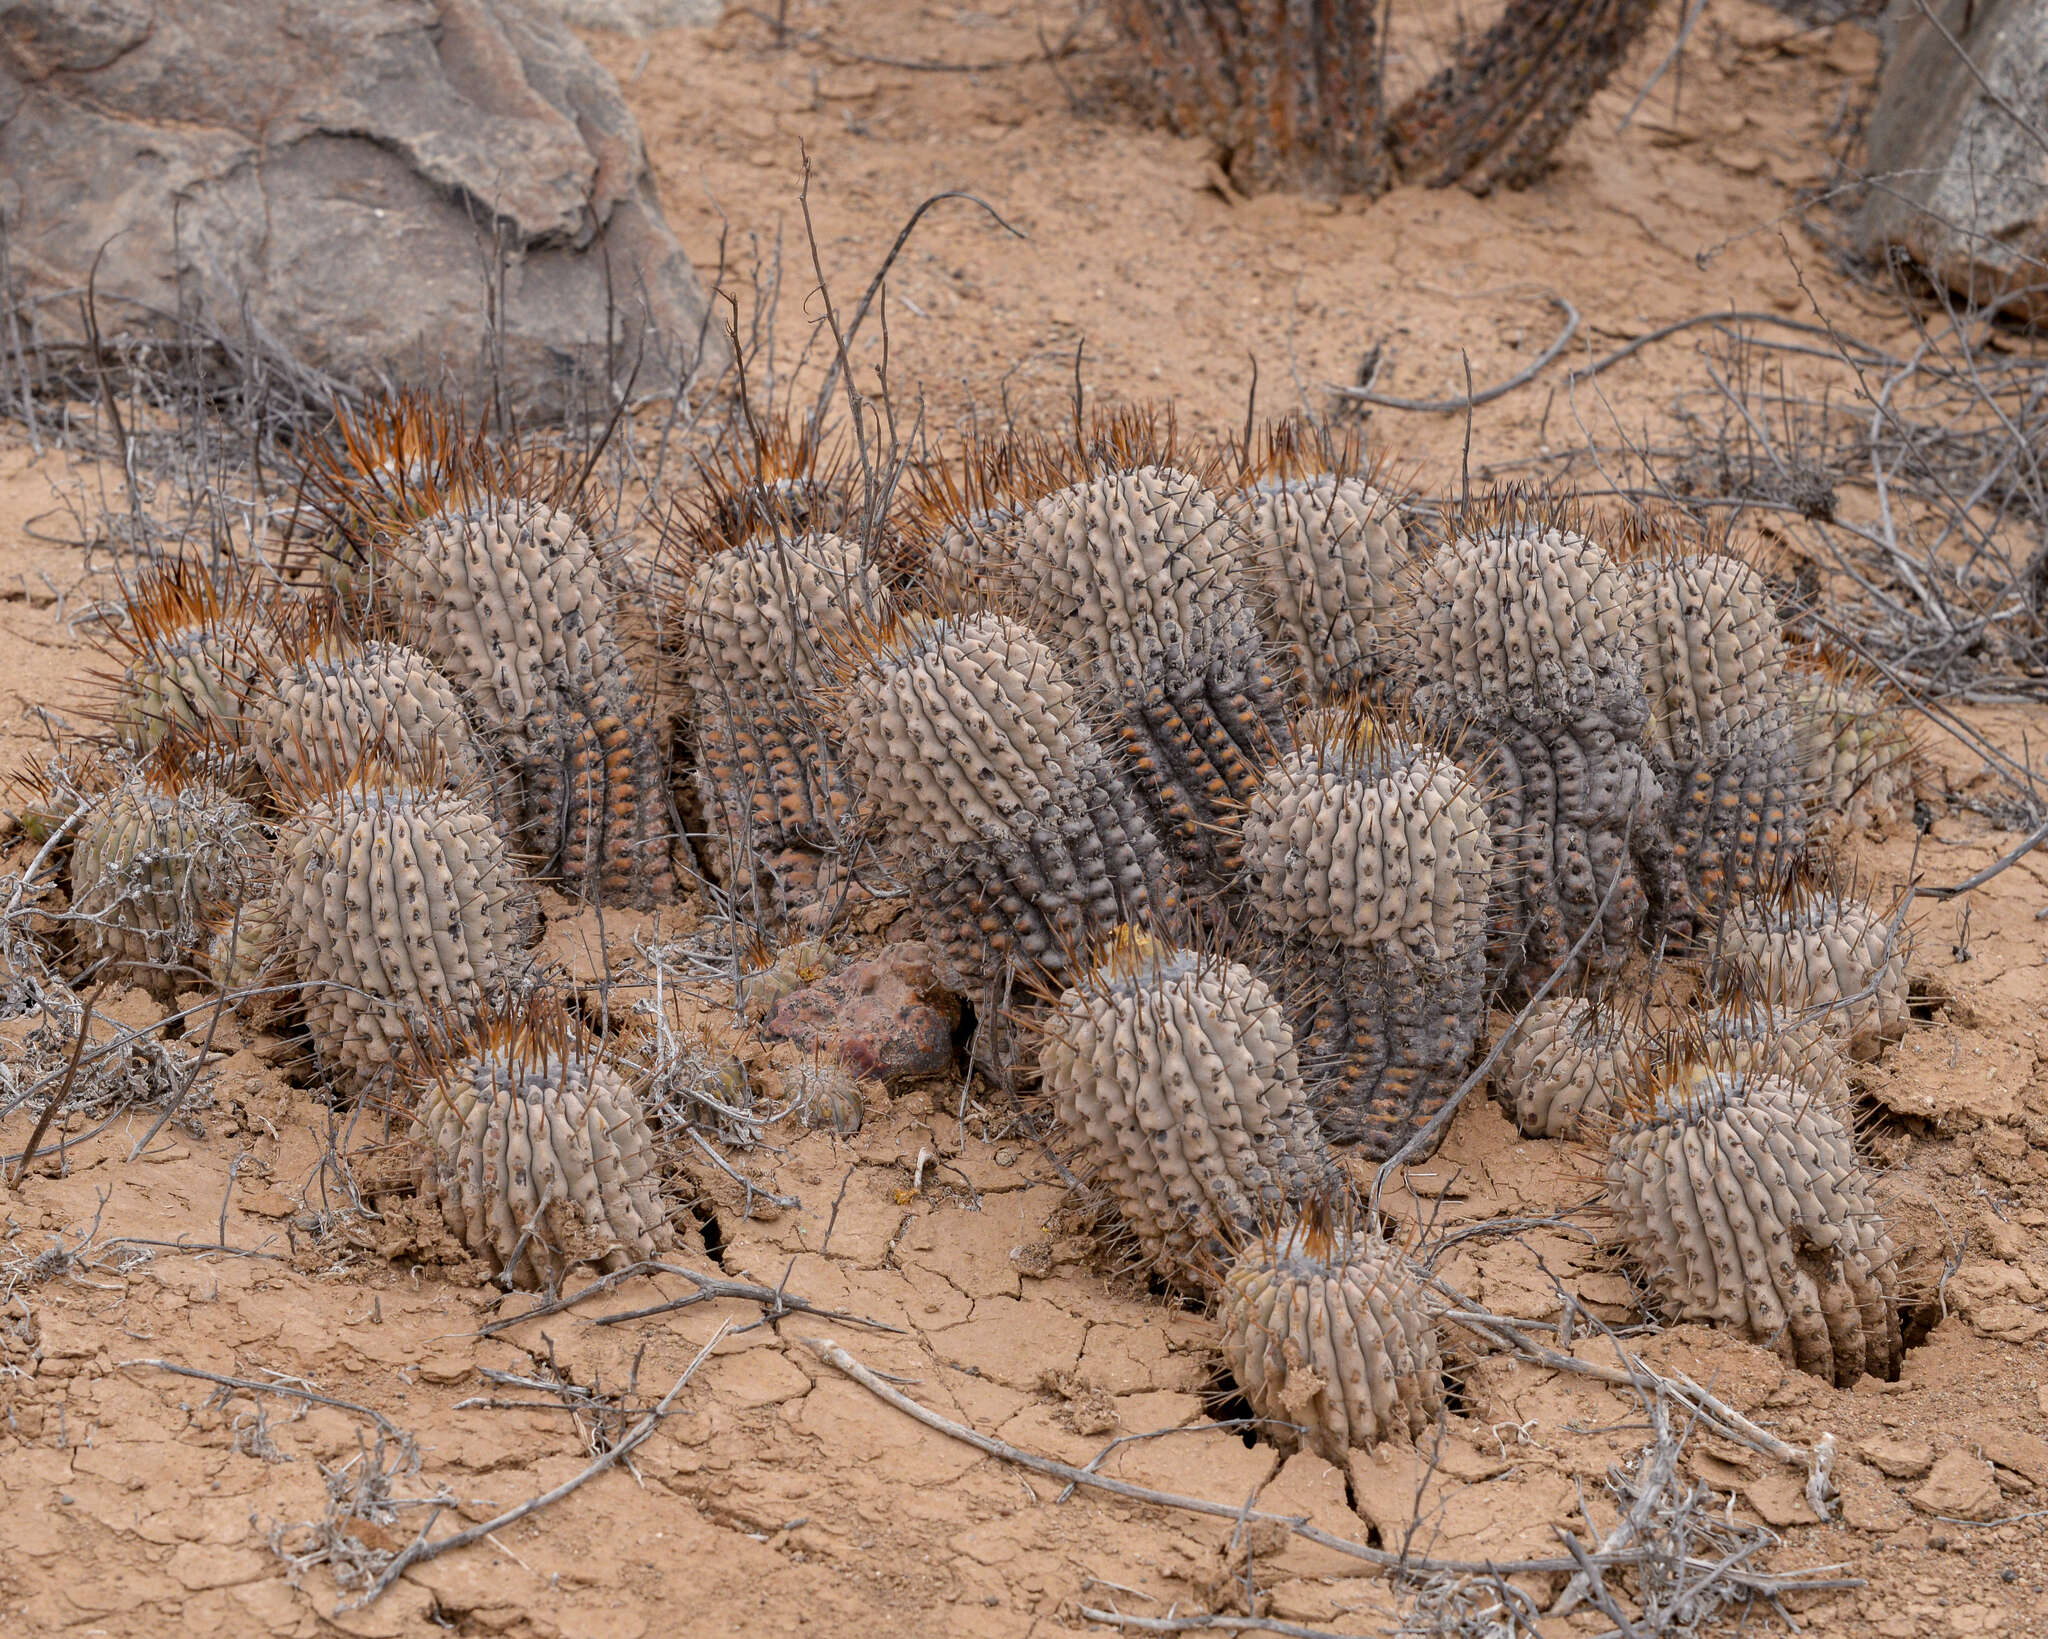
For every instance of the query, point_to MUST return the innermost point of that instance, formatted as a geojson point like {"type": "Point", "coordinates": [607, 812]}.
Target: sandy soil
{"type": "Point", "coordinates": [779, 1495]}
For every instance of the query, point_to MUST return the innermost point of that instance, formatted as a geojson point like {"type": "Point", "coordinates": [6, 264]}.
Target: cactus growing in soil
{"type": "Point", "coordinates": [1747, 1037]}
{"type": "Point", "coordinates": [1326, 1333]}
{"type": "Point", "coordinates": [405, 912]}
{"type": "Point", "coordinates": [825, 1097]}
{"type": "Point", "coordinates": [761, 626]}
{"type": "Point", "coordinates": [1818, 954]}
{"type": "Point", "coordinates": [340, 704]}
{"type": "Point", "coordinates": [1521, 634]}
{"type": "Point", "coordinates": [1022, 839]}
{"type": "Point", "coordinates": [1856, 747]}
{"type": "Point", "coordinates": [1175, 1076]}
{"type": "Point", "coordinates": [1325, 549]}
{"type": "Point", "coordinates": [512, 604]}
{"type": "Point", "coordinates": [150, 859]}
{"type": "Point", "coordinates": [1572, 1059]}
{"type": "Point", "coordinates": [1720, 738]}
{"type": "Point", "coordinates": [1369, 858]}
{"type": "Point", "coordinates": [1742, 1199]}
{"type": "Point", "coordinates": [1127, 564]}
{"type": "Point", "coordinates": [537, 1153]}
{"type": "Point", "coordinates": [250, 959]}
{"type": "Point", "coordinates": [191, 653]}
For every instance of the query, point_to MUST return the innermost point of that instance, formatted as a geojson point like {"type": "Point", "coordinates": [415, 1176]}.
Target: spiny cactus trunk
{"type": "Point", "coordinates": [1288, 89]}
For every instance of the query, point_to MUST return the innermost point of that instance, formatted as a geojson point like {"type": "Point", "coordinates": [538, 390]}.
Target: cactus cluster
{"type": "Point", "coordinates": [1370, 861]}
{"type": "Point", "coordinates": [1522, 633]}
{"type": "Point", "coordinates": [987, 784]}
{"type": "Point", "coordinates": [1741, 1199]}
{"type": "Point", "coordinates": [1175, 1075]}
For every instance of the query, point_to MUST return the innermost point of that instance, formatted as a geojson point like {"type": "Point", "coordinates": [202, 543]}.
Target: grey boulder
{"type": "Point", "coordinates": [1958, 167]}
{"type": "Point", "coordinates": [451, 195]}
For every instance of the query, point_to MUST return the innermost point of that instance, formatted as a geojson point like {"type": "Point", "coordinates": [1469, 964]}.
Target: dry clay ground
{"type": "Point", "coordinates": [780, 1495]}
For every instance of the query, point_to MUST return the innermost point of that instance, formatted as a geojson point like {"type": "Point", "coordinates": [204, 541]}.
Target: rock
{"type": "Point", "coordinates": [335, 182]}
{"type": "Point", "coordinates": [2021, 1454]}
{"type": "Point", "coordinates": [1960, 184]}
{"type": "Point", "coordinates": [888, 1017]}
{"type": "Point", "coordinates": [1961, 1487]}
{"type": "Point", "coordinates": [1896, 1455]}
{"type": "Point", "coordinates": [635, 17]}
{"type": "Point", "coordinates": [1780, 1499]}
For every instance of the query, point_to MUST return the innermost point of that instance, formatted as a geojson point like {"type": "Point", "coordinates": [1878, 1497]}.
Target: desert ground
{"type": "Point", "coordinates": [232, 1386]}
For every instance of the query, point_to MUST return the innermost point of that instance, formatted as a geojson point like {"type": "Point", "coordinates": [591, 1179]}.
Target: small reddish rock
{"type": "Point", "coordinates": [888, 1017]}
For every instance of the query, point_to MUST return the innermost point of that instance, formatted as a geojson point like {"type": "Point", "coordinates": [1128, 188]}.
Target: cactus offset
{"type": "Point", "coordinates": [1720, 738]}
{"type": "Point", "coordinates": [1327, 1336]}
{"type": "Point", "coordinates": [1022, 839]}
{"type": "Point", "coordinates": [1129, 568]}
{"type": "Point", "coordinates": [250, 960]}
{"type": "Point", "coordinates": [515, 610]}
{"type": "Point", "coordinates": [405, 911]}
{"type": "Point", "coordinates": [825, 1097]}
{"type": "Point", "coordinates": [1816, 954]}
{"type": "Point", "coordinates": [1745, 1037]}
{"type": "Point", "coordinates": [1570, 1062]}
{"type": "Point", "coordinates": [150, 859]}
{"type": "Point", "coordinates": [761, 626]}
{"type": "Point", "coordinates": [538, 1155]}
{"type": "Point", "coordinates": [1521, 632]}
{"type": "Point", "coordinates": [1176, 1079]}
{"type": "Point", "coordinates": [1369, 859]}
{"type": "Point", "coordinates": [339, 705]}
{"type": "Point", "coordinates": [1856, 747]}
{"type": "Point", "coordinates": [191, 654]}
{"type": "Point", "coordinates": [1325, 549]}
{"type": "Point", "coordinates": [1742, 1199]}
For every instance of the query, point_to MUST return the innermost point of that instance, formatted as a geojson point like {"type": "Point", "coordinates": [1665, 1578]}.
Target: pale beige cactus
{"type": "Point", "coordinates": [191, 652]}
{"type": "Point", "coordinates": [152, 859]}
{"type": "Point", "coordinates": [1741, 1198]}
{"type": "Point", "coordinates": [1176, 1079]}
{"type": "Point", "coordinates": [250, 958]}
{"type": "Point", "coordinates": [825, 1097]}
{"type": "Point", "coordinates": [1857, 749]}
{"type": "Point", "coordinates": [319, 719]}
{"type": "Point", "coordinates": [1817, 955]}
{"type": "Point", "coordinates": [1328, 1336]}
{"type": "Point", "coordinates": [1572, 1060]}
{"type": "Point", "coordinates": [537, 1154]}
{"type": "Point", "coordinates": [967, 742]}
{"type": "Point", "coordinates": [406, 914]}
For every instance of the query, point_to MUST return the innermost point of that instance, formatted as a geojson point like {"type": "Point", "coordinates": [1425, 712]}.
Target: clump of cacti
{"type": "Point", "coordinates": [537, 1153]}
{"type": "Point", "coordinates": [1856, 747]}
{"type": "Point", "coordinates": [510, 597]}
{"type": "Point", "coordinates": [1720, 736]}
{"type": "Point", "coordinates": [1572, 1059]}
{"type": "Point", "coordinates": [1817, 954]}
{"type": "Point", "coordinates": [1742, 1200]}
{"type": "Point", "coordinates": [192, 650]}
{"type": "Point", "coordinates": [763, 624]}
{"type": "Point", "coordinates": [1521, 634]}
{"type": "Point", "coordinates": [1369, 858]}
{"type": "Point", "coordinates": [344, 702]}
{"type": "Point", "coordinates": [151, 859]}
{"type": "Point", "coordinates": [1177, 1083]}
{"type": "Point", "coordinates": [406, 915]}
{"type": "Point", "coordinates": [1126, 564]}
{"type": "Point", "coordinates": [1328, 1338]}
{"type": "Point", "coordinates": [1326, 549]}
{"type": "Point", "coordinates": [1021, 839]}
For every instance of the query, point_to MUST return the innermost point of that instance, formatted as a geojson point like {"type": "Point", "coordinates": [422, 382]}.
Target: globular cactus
{"type": "Point", "coordinates": [1742, 1036]}
{"type": "Point", "coordinates": [1130, 570]}
{"type": "Point", "coordinates": [1856, 748]}
{"type": "Point", "coordinates": [1021, 839]}
{"type": "Point", "coordinates": [538, 1155]}
{"type": "Point", "coordinates": [1369, 861]}
{"type": "Point", "coordinates": [406, 913]}
{"type": "Point", "coordinates": [1742, 1200]}
{"type": "Point", "coordinates": [1521, 634]}
{"type": "Point", "coordinates": [1720, 737]}
{"type": "Point", "coordinates": [762, 625]}
{"type": "Point", "coordinates": [511, 599]}
{"type": "Point", "coordinates": [825, 1097]}
{"type": "Point", "coordinates": [191, 653]}
{"type": "Point", "coordinates": [151, 858]}
{"type": "Point", "coordinates": [250, 959]}
{"type": "Point", "coordinates": [1817, 954]}
{"type": "Point", "coordinates": [342, 703]}
{"type": "Point", "coordinates": [1572, 1059]}
{"type": "Point", "coordinates": [1328, 1337]}
{"type": "Point", "coordinates": [1325, 549]}
{"type": "Point", "coordinates": [1176, 1080]}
